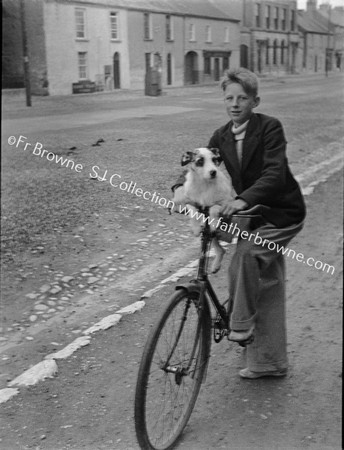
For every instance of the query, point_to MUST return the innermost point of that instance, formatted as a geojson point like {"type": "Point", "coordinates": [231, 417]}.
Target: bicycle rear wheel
{"type": "Point", "coordinates": [171, 371]}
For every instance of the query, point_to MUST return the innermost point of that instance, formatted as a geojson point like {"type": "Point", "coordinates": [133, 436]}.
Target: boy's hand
{"type": "Point", "coordinates": [233, 207]}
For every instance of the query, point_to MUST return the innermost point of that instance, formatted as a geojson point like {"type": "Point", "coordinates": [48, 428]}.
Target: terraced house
{"type": "Point", "coordinates": [84, 45]}
{"type": "Point", "coordinates": [79, 46]}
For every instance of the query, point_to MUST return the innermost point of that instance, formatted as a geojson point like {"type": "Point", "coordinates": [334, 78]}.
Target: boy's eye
{"type": "Point", "coordinates": [199, 162]}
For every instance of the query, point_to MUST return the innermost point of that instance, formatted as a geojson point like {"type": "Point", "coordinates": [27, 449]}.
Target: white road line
{"type": "Point", "coordinates": [48, 367]}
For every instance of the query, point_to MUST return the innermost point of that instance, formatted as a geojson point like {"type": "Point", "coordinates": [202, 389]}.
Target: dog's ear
{"type": "Point", "coordinates": [216, 152]}
{"type": "Point", "coordinates": [217, 155]}
{"type": "Point", "coordinates": [187, 158]}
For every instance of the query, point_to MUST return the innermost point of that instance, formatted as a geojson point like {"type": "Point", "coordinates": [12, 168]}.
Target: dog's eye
{"type": "Point", "coordinates": [216, 161]}
{"type": "Point", "coordinates": [199, 162]}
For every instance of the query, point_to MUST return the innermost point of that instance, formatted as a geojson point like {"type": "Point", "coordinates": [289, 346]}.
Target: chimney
{"type": "Point", "coordinates": [311, 5]}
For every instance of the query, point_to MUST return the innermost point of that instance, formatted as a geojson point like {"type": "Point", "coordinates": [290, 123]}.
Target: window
{"type": "Point", "coordinates": [282, 52]}
{"type": "Point", "coordinates": [257, 15]}
{"type": "Point", "coordinates": [292, 21]}
{"type": "Point", "coordinates": [267, 60]}
{"type": "Point", "coordinates": [227, 35]}
{"type": "Point", "coordinates": [268, 16]}
{"type": "Point", "coordinates": [207, 65]}
{"type": "Point", "coordinates": [275, 52]}
{"type": "Point", "coordinates": [284, 18]}
{"type": "Point", "coordinates": [82, 63]}
{"type": "Point", "coordinates": [147, 26]}
{"type": "Point", "coordinates": [192, 34]}
{"type": "Point", "coordinates": [114, 25]}
{"type": "Point", "coordinates": [208, 33]}
{"type": "Point", "coordinates": [276, 19]}
{"type": "Point", "coordinates": [169, 28]}
{"type": "Point", "coordinates": [80, 22]}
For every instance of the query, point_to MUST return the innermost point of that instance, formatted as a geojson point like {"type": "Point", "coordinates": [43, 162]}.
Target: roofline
{"type": "Point", "coordinates": [132, 8]}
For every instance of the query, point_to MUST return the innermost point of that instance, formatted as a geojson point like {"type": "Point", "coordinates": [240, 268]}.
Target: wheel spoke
{"type": "Point", "coordinates": [173, 376]}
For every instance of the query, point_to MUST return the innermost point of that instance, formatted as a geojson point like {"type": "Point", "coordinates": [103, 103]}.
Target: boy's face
{"type": "Point", "coordinates": [239, 105]}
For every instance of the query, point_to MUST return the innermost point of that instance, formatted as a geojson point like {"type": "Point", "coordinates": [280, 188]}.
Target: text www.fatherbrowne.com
{"type": "Point", "coordinates": [232, 228]}
{"type": "Point", "coordinates": [155, 197]}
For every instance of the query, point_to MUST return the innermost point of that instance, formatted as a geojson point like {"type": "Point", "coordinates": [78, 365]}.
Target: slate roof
{"type": "Point", "coordinates": [308, 22]}
{"type": "Point", "coordinates": [195, 8]}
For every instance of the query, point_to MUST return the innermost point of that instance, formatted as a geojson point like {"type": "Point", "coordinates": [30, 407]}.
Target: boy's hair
{"type": "Point", "coordinates": [247, 79]}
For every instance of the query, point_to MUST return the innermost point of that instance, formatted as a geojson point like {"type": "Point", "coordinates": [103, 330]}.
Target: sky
{"type": "Point", "coordinates": [301, 4]}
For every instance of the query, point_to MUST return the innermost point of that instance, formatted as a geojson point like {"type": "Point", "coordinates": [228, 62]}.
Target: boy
{"type": "Point", "coordinates": [253, 149]}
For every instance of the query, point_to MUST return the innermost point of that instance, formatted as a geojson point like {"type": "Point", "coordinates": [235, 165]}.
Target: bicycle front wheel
{"type": "Point", "coordinates": [171, 371]}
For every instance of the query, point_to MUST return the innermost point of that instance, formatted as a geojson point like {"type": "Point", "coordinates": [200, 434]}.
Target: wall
{"type": "Point", "coordinates": [63, 47]}
{"type": "Point", "coordinates": [217, 43]}
{"type": "Point", "coordinates": [13, 71]}
{"type": "Point", "coordinates": [138, 47]}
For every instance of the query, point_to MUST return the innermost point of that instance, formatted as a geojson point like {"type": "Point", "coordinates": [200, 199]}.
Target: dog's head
{"type": "Point", "coordinates": [204, 161]}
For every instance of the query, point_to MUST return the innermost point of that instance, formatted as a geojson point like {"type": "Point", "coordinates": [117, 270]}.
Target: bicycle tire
{"type": "Point", "coordinates": [161, 412]}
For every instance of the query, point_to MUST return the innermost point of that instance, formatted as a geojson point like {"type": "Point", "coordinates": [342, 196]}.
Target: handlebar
{"type": "Point", "coordinates": [256, 210]}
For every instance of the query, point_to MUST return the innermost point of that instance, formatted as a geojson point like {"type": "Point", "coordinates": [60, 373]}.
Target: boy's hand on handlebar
{"type": "Point", "coordinates": [233, 207]}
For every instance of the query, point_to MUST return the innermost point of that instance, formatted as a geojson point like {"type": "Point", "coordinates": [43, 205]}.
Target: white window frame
{"type": "Point", "coordinates": [114, 25]}
{"type": "Point", "coordinates": [192, 32]}
{"type": "Point", "coordinates": [171, 28]}
{"type": "Point", "coordinates": [150, 27]}
{"type": "Point", "coordinates": [80, 27]}
{"type": "Point", "coordinates": [208, 33]}
{"type": "Point", "coordinates": [227, 35]}
{"type": "Point", "coordinates": [82, 66]}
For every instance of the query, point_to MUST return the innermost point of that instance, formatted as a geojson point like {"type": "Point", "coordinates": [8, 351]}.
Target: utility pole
{"type": "Point", "coordinates": [327, 61]}
{"type": "Point", "coordinates": [25, 55]}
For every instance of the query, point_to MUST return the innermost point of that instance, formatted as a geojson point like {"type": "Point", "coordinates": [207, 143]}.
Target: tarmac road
{"type": "Point", "coordinates": [88, 404]}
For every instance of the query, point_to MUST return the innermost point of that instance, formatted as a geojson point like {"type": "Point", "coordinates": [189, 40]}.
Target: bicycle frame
{"type": "Point", "coordinates": [202, 282]}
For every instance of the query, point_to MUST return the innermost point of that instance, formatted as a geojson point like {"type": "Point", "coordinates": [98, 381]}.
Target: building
{"type": "Point", "coordinates": [316, 40]}
{"type": "Point", "coordinates": [336, 17]}
{"type": "Point", "coordinates": [92, 45]}
{"type": "Point", "coordinates": [269, 36]}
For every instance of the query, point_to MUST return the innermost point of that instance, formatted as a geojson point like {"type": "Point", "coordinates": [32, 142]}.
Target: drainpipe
{"type": "Point", "coordinates": [25, 55]}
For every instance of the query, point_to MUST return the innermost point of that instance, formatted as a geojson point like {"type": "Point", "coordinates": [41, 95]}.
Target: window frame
{"type": "Point", "coordinates": [169, 28]}
{"type": "Point", "coordinates": [284, 19]}
{"type": "Point", "coordinates": [116, 15]}
{"type": "Point", "coordinates": [147, 27]}
{"type": "Point", "coordinates": [192, 32]}
{"type": "Point", "coordinates": [227, 35]}
{"type": "Point", "coordinates": [83, 23]}
{"type": "Point", "coordinates": [257, 15]}
{"type": "Point", "coordinates": [276, 18]}
{"type": "Point", "coordinates": [208, 34]}
{"type": "Point", "coordinates": [83, 67]}
{"type": "Point", "coordinates": [268, 17]}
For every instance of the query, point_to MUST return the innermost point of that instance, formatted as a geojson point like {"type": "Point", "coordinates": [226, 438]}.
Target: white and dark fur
{"type": "Point", "coordinates": [205, 186]}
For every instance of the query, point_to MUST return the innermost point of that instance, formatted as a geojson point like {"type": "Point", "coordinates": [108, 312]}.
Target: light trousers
{"type": "Point", "coordinates": [257, 295]}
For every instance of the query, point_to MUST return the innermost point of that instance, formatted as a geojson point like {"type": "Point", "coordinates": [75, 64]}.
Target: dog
{"type": "Point", "coordinates": [205, 186]}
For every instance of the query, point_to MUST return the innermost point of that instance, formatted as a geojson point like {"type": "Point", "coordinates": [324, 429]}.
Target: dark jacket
{"type": "Point", "coordinates": [264, 177]}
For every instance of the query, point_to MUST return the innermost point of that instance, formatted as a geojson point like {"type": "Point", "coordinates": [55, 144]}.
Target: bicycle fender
{"type": "Point", "coordinates": [189, 287]}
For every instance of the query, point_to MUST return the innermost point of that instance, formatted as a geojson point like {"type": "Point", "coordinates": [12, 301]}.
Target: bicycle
{"type": "Point", "coordinates": [176, 355]}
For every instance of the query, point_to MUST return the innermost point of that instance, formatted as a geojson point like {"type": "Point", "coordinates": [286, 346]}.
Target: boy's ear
{"type": "Point", "coordinates": [256, 102]}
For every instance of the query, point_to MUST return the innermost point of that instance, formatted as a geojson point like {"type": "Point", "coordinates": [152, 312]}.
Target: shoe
{"type": "Point", "coordinates": [242, 335]}
{"type": "Point", "coordinates": [247, 373]}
